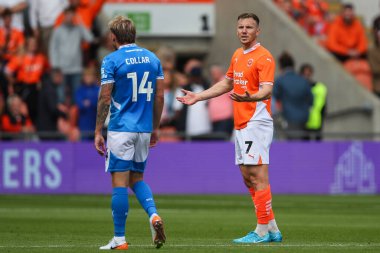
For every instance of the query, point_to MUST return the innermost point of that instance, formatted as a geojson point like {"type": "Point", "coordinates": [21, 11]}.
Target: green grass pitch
{"type": "Point", "coordinates": [82, 223]}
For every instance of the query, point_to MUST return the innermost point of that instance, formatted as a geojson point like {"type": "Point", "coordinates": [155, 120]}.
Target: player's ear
{"type": "Point", "coordinates": [113, 37]}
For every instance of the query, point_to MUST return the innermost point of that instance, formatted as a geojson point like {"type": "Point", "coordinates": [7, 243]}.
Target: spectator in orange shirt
{"type": "Point", "coordinates": [317, 17]}
{"type": "Point", "coordinates": [24, 73]}
{"type": "Point", "coordinates": [311, 15]}
{"type": "Point", "coordinates": [11, 42]}
{"type": "Point", "coordinates": [346, 37]}
{"type": "Point", "coordinates": [315, 9]}
{"type": "Point", "coordinates": [286, 6]}
{"type": "Point", "coordinates": [16, 120]}
{"type": "Point", "coordinates": [85, 12]}
{"type": "Point", "coordinates": [11, 39]}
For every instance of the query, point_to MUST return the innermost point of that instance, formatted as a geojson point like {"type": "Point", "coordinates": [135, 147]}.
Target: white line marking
{"type": "Point", "coordinates": [274, 245]}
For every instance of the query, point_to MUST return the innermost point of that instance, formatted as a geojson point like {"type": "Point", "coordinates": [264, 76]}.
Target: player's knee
{"type": "Point", "coordinates": [135, 177]}
{"type": "Point", "coordinates": [120, 179]}
{"type": "Point", "coordinates": [119, 183]}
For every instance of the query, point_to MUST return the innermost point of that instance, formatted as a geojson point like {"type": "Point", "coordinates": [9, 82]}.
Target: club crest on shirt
{"type": "Point", "coordinates": [250, 62]}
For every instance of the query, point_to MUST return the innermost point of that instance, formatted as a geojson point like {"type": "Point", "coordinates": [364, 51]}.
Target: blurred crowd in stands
{"type": "Point", "coordinates": [50, 52]}
{"type": "Point", "coordinates": [341, 32]}
{"type": "Point", "coordinates": [49, 58]}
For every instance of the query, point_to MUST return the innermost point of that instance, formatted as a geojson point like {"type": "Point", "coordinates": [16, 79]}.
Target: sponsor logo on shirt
{"type": "Point", "coordinates": [239, 79]}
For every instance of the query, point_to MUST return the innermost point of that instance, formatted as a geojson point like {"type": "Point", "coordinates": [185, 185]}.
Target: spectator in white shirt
{"type": "Point", "coordinates": [193, 120]}
{"type": "Point", "coordinates": [17, 7]}
{"type": "Point", "coordinates": [42, 17]}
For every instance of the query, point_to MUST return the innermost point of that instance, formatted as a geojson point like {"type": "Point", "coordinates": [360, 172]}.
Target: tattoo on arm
{"type": "Point", "coordinates": [104, 102]}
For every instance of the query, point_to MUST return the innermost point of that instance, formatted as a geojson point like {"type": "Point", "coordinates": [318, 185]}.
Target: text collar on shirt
{"type": "Point", "coordinates": [128, 45]}
{"type": "Point", "coordinates": [252, 48]}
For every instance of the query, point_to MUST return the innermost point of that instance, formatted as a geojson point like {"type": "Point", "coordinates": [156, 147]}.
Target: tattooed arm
{"type": "Point", "coordinates": [104, 102]}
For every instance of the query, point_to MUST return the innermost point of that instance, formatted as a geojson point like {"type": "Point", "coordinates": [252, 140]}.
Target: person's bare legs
{"type": "Point", "coordinates": [256, 179]}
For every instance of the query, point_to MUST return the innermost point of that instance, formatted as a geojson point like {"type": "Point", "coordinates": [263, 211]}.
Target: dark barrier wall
{"type": "Point", "coordinates": [193, 168]}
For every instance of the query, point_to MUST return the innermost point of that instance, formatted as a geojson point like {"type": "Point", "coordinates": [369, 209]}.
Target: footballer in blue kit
{"type": "Point", "coordinates": [133, 71]}
{"type": "Point", "coordinates": [132, 91]}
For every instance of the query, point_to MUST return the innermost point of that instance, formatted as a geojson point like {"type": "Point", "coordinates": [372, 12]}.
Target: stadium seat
{"type": "Point", "coordinates": [361, 70]}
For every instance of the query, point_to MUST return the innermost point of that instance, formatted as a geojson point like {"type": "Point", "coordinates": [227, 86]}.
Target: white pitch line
{"type": "Point", "coordinates": [274, 245]}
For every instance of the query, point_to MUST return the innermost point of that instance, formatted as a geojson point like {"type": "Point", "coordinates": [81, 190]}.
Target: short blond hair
{"type": "Point", "coordinates": [124, 29]}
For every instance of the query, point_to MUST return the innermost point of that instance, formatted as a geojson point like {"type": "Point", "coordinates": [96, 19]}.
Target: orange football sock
{"type": "Point", "coordinates": [263, 205]}
{"type": "Point", "coordinates": [252, 192]}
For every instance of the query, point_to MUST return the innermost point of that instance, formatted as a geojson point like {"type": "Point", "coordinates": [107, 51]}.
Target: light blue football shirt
{"type": "Point", "coordinates": [134, 71]}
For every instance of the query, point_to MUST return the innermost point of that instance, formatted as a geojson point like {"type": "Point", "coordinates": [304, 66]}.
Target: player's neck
{"type": "Point", "coordinates": [250, 45]}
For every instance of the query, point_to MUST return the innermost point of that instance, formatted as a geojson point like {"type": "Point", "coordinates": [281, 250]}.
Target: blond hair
{"type": "Point", "coordinates": [124, 29]}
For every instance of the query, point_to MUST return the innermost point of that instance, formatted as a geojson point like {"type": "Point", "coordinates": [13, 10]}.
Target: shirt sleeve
{"type": "Point", "coordinates": [7, 125]}
{"type": "Point", "coordinates": [96, 7]}
{"type": "Point", "coordinates": [86, 34]}
{"type": "Point", "coordinates": [107, 71]}
{"type": "Point", "coordinates": [160, 73]}
{"type": "Point", "coordinates": [277, 90]}
{"type": "Point", "coordinates": [266, 67]}
{"type": "Point", "coordinates": [33, 13]}
{"type": "Point", "coordinates": [176, 104]}
{"type": "Point", "coordinates": [230, 71]}
{"type": "Point", "coordinates": [12, 65]}
{"type": "Point", "coordinates": [53, 48]}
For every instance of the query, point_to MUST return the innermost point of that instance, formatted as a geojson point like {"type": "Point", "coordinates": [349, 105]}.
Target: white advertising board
{"type": "Point", "coordinates": [167, 18]}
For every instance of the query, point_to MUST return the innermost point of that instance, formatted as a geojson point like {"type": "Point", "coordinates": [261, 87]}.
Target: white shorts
{"type": "Point", "coordinates": [252, 143]}
{"type": "Point", "coordinates": [127, 151]}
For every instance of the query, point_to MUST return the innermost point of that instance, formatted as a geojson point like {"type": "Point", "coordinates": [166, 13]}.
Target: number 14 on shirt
{"type": "Point", "coordinates": [141, 89]}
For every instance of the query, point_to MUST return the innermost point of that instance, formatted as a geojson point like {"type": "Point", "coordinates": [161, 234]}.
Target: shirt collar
{"type": "Point", "coordinates": [128, 45]}
{"type": "Point", "coordinates": [252, 48]}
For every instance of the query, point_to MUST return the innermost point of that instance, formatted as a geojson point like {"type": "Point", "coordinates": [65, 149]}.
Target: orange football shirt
{"type": "Point", "coordinates": [248, 69]}
{"type": "Point", "coordinates": [16, 41]}
{"type": "Point", "coordinates": [29, 68]}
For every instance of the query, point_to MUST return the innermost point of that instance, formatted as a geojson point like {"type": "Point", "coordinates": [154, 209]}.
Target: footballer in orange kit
{"type": "Point", "coordinates": [250, 77]}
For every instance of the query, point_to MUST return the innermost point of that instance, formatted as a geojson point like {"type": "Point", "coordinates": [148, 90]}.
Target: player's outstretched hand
{"type": "Point", "coordinates": [153, 139]}
{"type": "Point", "coordinates": [190, 98]}
{"type": "Point", "coordinates": [241, 98]}
{"type": "Point", "coordinates": [100, 144]}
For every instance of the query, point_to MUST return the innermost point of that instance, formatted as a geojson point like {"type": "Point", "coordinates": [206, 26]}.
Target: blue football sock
{"type": "Point", "coordinates": [144, 195]}
{"type": "Point", "coordinates": [120, 207]}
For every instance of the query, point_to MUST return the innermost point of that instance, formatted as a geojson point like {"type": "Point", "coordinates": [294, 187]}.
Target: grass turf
{"type": "Point", "coordinates": [82, 223]}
